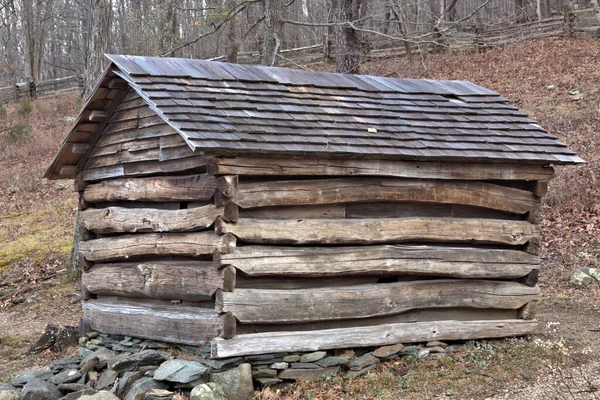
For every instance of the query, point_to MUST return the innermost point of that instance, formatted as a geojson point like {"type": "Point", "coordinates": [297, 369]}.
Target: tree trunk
{"type": "Point", "coordinates": [348, 45]}
{"type": "Point", "coordinates": [99, 43]}
{"type": "Point", "coordinates": [233, 44]}
{"type": "Point", "coordinates": [273, 30]}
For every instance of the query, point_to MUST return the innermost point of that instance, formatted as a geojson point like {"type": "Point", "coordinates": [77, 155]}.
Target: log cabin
{"type": "Point", "coordinates": [265, 209]}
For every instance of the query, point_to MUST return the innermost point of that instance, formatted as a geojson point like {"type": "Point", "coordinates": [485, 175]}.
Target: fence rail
{"type": "Point", "coordinates": [31, 89]}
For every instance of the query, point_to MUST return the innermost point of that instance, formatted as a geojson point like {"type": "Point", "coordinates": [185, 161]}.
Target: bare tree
{"type": "Point", "coordinates": [273, 29]}
{"type": "Point", "coordinates": [100, 40]}
{"type": "Point", "coordinates": [36, 17]}
{"type": "Point", "coordinates": [348, 45]}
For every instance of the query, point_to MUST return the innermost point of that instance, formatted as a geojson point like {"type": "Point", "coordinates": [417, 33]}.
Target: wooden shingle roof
{"type": "Point", "coordinates": [228, 109]}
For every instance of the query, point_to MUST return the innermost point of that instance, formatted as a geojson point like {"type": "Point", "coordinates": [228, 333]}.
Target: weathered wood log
{"type": "Point", "coordinates": [435, 314]}
{"type": "Point", "coordinates": [178, 280]}
{"type": "Point", "coordinates": [527, 311]}
{"type": "Point", "coordinates": [415, 209]}
{"type": "Point", "coordinates": [458, 262]}
{"type": "Point", "coordinates": [172, 244]}
{"type": "Point", "coordinates": [328, 211]}
{"type": "Point", "coordinates": [228, 185]}
{"type": "Point", "coordinates": [164, 188]}
{"type": "Point", "coordinates": [351, 190]}
{"type": "Point", "coordinates": [371, 231]}
{"type": "Point", "coordinates": [188, 325]}
{"type": "Point", "coordinates": [364, 301]}
{"type": "Point", "coordinates": [275, 342]}
{"type": "Point", "coordinates": [355, 167]}
{"type": "Point", "coordinates": [118, 219]}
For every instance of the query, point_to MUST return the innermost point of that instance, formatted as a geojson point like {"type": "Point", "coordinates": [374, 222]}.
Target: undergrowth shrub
{"type": "Point", "coordinates": [25, 108]}
{"type": "Point", "coordinates": [18, 132]}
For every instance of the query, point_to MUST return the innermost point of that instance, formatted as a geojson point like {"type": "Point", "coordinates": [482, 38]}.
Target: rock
{"type": "Point", "coordinates": [312, 357]}
{"type": "Point", "coordinates": [37, 389]}
{"type": "Point", "coordinates": [159, 394]}
{"type": "Point", "coordinates": [66, 376]}
{"type": "Point", "coordinates": [332, 362]}
{"type": "Point", "coordinates": [88, 365]}
{"type": "Point", "coordinates": [181, 371]}
{"type": "Point", "coordinates": [236, 383]}
{"type": "Point", "coordinates": [79, 394]}
{"type": "Point", "coordinates": [224, 363]}
{"type": "Point", "coordinates": [593, 272]}
{"type": "Point", "coordinates": [107, 379]}
{"type": "Point", "coordinates": [143, 386]}
{"type": "Point", "coordinates": [423, 353]}
{"type": "Point", "coordinates": [6, 387]}
{"type": "Point", "coordinates": [291, 358]}
{"type": "Point", "coordinates": [436, 343]}
{"type": "Point", "coordinates": [92, 335]}
{"type": "Point", "coordinates": [279, 365]}
{"type": "Point", "coordinates": [259, 357]}
{"type": "Point", "coordinates": [268, 381]}
{"type": "Point", "coordinates": [551, 87]}
{"type": "Point", "coordinates": [363, 361]}
{"type": "Point", "coordinates": [264, 373]}
{"type": "Point", "coordinates": [356, 373]}
{"type": "Point", "coordinates": [62, 363]}
{"type": "Point", "coordinates": [409, 351]}
{"type": "Point", "coordinates": [134, 361]}
{"type": "Point", "coordinates": [208, 391]}
{"type": "Point", "coordinates": [388, 351]}
{"type": "Point", "coordinates": [436, 350]}
{"type": "Point", "coordinates": [125, 381]}
{"type": "Point", "coordinates": [580, 279]}
{"type": "Point", "coordinates": [9, 395]}
{"type": "Point", "coordinates": [72, 387]}
{"type": "Point", "coordinates": [24, 377]}
{"type": "Point", "coordinates": [92, 376]}
{"type": "Point", "coordinates": [303, 365]}
{"type": "Point", "coordinates": [154, 345]}
{"type": "Point", "coordinates": [101, 395]}
{"type": "Point", "coordinates": [193, 384]}
{"type": "Point", "coordinates": [346, 354]}
{"type": "Point", "coordinates": [308, 374]}
{"type": "Point", "coordinates": [83, 353]}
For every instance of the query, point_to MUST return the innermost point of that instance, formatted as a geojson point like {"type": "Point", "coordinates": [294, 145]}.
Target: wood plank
{"type": "Point", "coordinates": [329, 211]}
{"type": "Point", "coordinates": [261, 306]}
{"type": "Point", "coordinates": [344, 338]}
{"type": "Point", "coordinates": [433, 314]}
{"type": "Point", "coordinates": [68, 171]}
{"type": "Point", "coordinates": [352, 190]}
{"type": "Point", "coordinates": [357, 167]}
{"type": "Point", "coordinates": [80, 148]}
{"type": "Point", "coordinates": [179, 280]}
{"type": "Point", "coordinates": [172, 244]}
{"type": "Point", "coordinates": [372, 231]}
{"type": "Point", "coordinates": [97, 116]}
{"type": "Point", "coordinates": [188, 325]}
{"type": "Point", "coordinates": [197, 187]}
{"type": "Point", "coordinates": [457, 262]}
{"type": "Point", "coordinates": [119, 219]}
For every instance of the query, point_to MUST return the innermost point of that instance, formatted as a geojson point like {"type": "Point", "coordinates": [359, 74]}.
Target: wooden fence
{"type": "Point", "coordinates": [23, 90]}
{"type": "Point", "coordinates": [573, 23]}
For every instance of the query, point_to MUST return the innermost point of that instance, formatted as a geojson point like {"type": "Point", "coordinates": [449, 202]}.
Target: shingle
{"type": "Point", "coordinates": [278, 110]}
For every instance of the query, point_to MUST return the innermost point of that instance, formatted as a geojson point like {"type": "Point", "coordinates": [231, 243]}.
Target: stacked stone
{"type": "Point", "coordinates": [111, 367]}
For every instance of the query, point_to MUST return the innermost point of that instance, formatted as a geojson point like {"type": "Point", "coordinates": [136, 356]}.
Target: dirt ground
{"type": "Point", "coordinates": [556, 81]}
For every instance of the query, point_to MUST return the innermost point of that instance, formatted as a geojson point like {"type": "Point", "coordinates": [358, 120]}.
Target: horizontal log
{"type": "Point", "coordinates": [171, 244]}
{"type": "Point", "coordinates": [170, 280]}
{"type": "Point", "coordinates": [351, 190]}
{"type": "Point", "coordinates": [458, 262]}
{"type": "Point", "coordinates": [119, 219]}
{"type": "Point", "coordinates": [434, 314]}
{"type": "Point", "coordinates": [415, 209]}
{"type": "Point", "coordinates": [164, 188]}
{"type": "Point", "coordinates": [355, 167]}
{"type": "Point", "coordinates": [261, 306]}
{"type": "Point", "coordinates": [189, 325]}
{"type": "Point", "coordinates": [276, 342]}
{"type": "Point", "coordinates": [371, 231]}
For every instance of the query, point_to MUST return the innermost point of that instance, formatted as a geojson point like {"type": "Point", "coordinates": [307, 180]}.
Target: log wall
{"type": "Point", "coordinates": [345, 251]}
